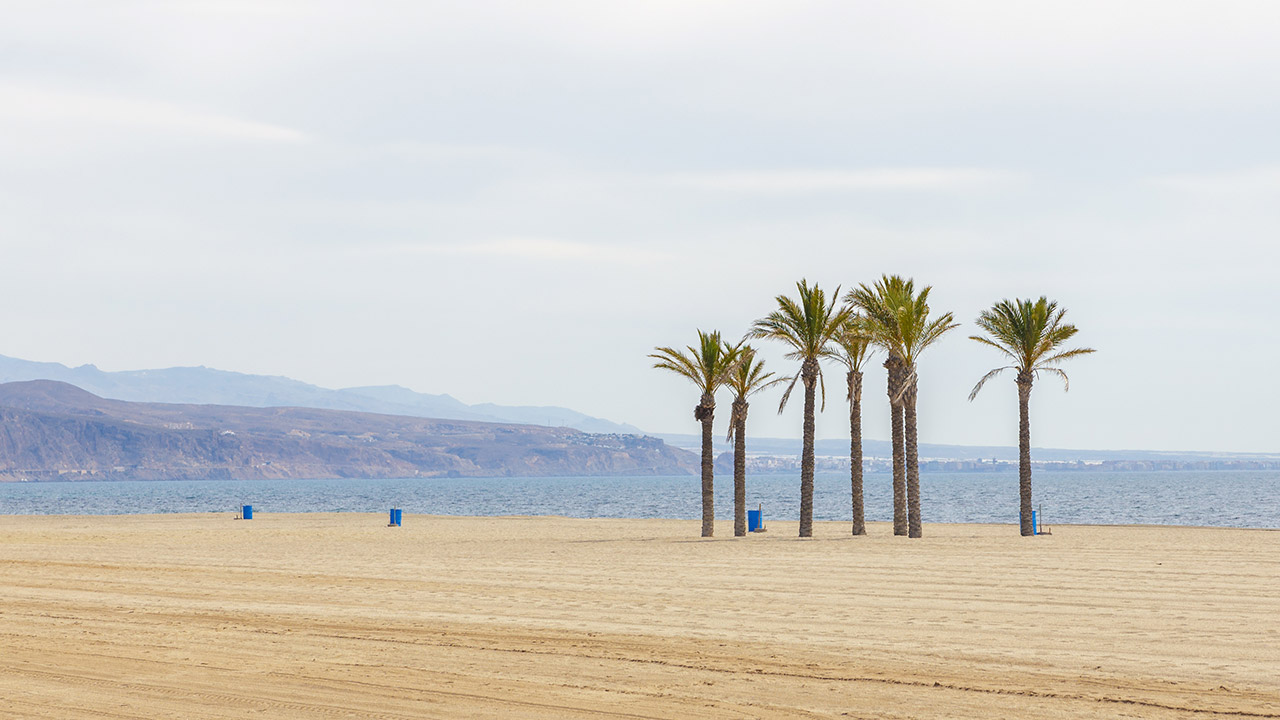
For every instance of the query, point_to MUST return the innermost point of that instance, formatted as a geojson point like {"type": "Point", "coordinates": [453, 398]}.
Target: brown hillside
{"type": "Point", "coordinates": [54, 431]}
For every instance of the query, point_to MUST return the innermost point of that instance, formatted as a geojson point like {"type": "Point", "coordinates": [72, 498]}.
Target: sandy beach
{"type": "Point", "coordinates": [338, 616]}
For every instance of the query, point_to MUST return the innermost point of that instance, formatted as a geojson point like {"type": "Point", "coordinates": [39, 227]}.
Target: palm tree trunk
{"type": "Point", "coordinates": [704, 412]}
{"type": "Point", "coordinates": [913, 461]}
{"type": "Point", "coordinates": [809, 374]}
{"type": "Point", "coordinates": [740, 468]}
{"type": "Point", "coordinates": [855, 451]}
{"type": "Point", "coordinates": [894, 365]}
{"type": "Point", "coordinates": [1024, 453]}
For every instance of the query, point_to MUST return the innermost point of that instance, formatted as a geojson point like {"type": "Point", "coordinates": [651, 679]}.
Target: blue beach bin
{"type": "Point", "coordinates": [755, 520]}
{"type": "Point", "coordinates": [246, 512]}
{"type": "Point", "coordinates": [394, 518]}
{"type": "Point", "coordinates": [1035, 522]}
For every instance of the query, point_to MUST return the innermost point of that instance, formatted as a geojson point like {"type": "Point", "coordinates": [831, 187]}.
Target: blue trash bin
{"type": "Point", "coordinates": [755, 520]}
{"type": "Point", "coordinates": [246, 512]}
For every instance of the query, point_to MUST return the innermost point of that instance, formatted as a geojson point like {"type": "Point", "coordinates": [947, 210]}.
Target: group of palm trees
{"type": "Point", "coordinates": [891, 316]}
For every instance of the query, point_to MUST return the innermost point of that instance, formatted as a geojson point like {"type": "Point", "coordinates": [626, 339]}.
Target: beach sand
{"type": "Point", "coordinates": [338, 616]}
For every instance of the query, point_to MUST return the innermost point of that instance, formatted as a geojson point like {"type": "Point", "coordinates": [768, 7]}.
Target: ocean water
{"type": "Point", "coordinates": [1228, 498]}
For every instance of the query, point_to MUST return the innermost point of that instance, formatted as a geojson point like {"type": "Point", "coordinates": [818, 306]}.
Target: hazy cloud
{"type": "Point", "coordinates": [40, 107]}
{"type": "Point", "coordinates": [824, 181]}
{"type": "Point", "coordinates": [1257, 181]}
{"type": "Point", "coordinates": [528, 248]}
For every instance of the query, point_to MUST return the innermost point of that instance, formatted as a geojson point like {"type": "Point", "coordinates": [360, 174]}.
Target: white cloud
{"type": "Point", "coordinates": [1247, 182]}
{"type": "Point", "coordinates": [438, 152]}
{"type": "Point", "coordinates": [38, 107]}
{"type": "Point", "coordinates": [529, 248]}
{"type": "Point", "coordinates": [828, 181]}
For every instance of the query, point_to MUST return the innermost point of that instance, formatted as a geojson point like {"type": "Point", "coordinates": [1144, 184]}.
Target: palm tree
{"type": "Point", "coordinates": [855, 349]}
{"type": "Point", "coordinates": [1031, 335]}
{"type": "Point", "coordinates": [708, 366]}
{"type": "Point", "coordinates": [748, 378]}
{"type": "Point", "coordinates": [880, 324]}
{"type": "Point", "coordinates": [808, 327]}
{"type": "Point", "coordinates": [902, 317]}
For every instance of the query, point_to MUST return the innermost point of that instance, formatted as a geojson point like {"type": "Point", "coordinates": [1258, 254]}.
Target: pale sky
{"type": "Point", "coordinates": [513, 202]}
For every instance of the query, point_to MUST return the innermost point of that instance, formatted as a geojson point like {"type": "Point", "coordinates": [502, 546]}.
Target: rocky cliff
{"type": "Point", "coordinates": [54, 431]}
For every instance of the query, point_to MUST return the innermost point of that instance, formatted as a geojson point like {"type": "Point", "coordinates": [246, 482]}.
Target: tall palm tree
{"type": "Point", "coordinates": [880, 324]}
{"type": "Point", "coordinates": [855, 348]}
{"type": "Point", "coordinates": [1031, 335]}
{"type": "Point", "coordinates": [907, 331]}
{"type": "Point", "coordinates": [808, 326]}
{"type": "Point", "coordinates": [708, 366]}
{"type": "Point", "coordinates": [748, 378]}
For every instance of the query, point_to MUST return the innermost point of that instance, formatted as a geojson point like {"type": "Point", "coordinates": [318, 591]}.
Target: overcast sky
{"type": "Point", "coordinates": [513, 202]}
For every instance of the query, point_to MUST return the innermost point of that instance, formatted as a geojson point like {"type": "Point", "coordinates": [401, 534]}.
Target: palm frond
{"type": "Point", "coordinates": [1064, 355]}
{"type": "Point", "coordinates": [677, 362]}
{"type": "Point", "coordinates": [907, 381]}
{"type": "Point", "coordinates": [974, 393]}
{"type": "Point", "coordinates": [786, 395]}
{"type": "Point", "coordinates": [822, 384]}
{"type": "Point", "coordinates": [1066, 382]}
{"type": "Point", "coordinates": [989, 342]}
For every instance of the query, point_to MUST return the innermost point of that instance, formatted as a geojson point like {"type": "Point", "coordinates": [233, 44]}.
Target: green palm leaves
{"type": "Point", "coordinates": [1031, 335]}
{"type": "Point", "coordinates": [853, 345]}
{"type": "Point", "coordinates": [807, 326]}
{"type": "Point", "coordinates": [707, 365]}
{"type": "Point", "coordinates": [897, 317]}
{"type": "Point", "coordinates": [746, 379]}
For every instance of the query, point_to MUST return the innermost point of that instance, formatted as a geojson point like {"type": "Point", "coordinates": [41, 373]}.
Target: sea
{"type": "Point", "coordinates": [1222, 498]}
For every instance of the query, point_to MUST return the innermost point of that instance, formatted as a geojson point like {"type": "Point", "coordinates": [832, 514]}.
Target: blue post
{"type": "Point", "coordinates": [247, 512]}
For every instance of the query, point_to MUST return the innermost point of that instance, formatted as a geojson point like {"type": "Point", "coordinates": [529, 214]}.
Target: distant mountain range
{"type": "Point", "coordinates": [52, 430]}
{"type": "Point", "coordinates": [202, 385]}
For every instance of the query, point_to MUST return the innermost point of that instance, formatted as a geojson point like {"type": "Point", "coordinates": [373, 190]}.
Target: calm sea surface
{"type": "Point", "coordinates": [1236, 499]}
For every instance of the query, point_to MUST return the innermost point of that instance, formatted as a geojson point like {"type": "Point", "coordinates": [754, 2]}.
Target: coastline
{"type": "Point", "coordinates": [1211, 499]}
{"type": "Point", "coordinates": [316, 614]}
{"type": "Point", "coordinates": [724, 522]}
